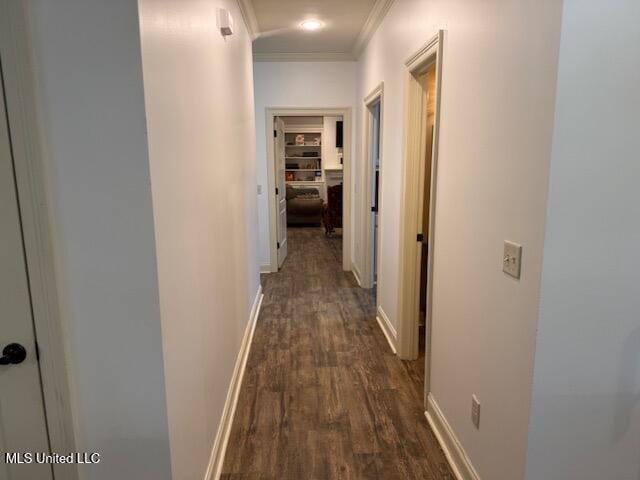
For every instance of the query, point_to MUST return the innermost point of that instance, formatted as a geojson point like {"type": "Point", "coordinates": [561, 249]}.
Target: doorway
{"type": "Point", "coordinates": [427, 82]}
{"type": "Point", "coordinates": [423, 83]}
{"type": "Point", "coordinates": [372, 175]}
{"type": "Point", "coordinates": [308, 177]}
{"type": "Point", "coordinates": [309, 152]}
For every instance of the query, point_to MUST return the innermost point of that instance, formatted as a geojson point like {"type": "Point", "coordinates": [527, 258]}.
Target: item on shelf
{"type": "Point", "coordinates": [290, 176]}
{"type": "Point", "coordinates": [310, 154]}
{"type": "Point", "coordinates": [291, 166]}
{"type": "Point", "coordinates": [299, 139]}
{"type": "Point", "coordinates": [315, 141]}
{"type": "Point", "coordinates": [318, 175]}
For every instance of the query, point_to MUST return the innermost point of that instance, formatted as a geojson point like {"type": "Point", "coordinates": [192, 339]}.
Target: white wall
{"type": "Point", "coordinates": [299, 85]}
{"type": "Point", "coordinates": [88, 69]}
{"type": "Point", "coordinates": [585, 419]}
{"type": "Point", "coordinates": [330, 153]}
{"type": "Point", "coordinates": [199, 97]}
{"type": "Point", "coordinates": [499, 72]}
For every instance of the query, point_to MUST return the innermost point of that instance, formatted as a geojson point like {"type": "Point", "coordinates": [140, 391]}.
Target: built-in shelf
{"type": "Point", "coordinates": [304, 177]}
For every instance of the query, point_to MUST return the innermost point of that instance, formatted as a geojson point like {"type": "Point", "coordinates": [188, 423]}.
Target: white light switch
{"type": "Point", "coordinates": [511, 259]}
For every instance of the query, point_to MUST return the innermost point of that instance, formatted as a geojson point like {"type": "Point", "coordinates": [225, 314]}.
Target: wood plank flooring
{"type": "Point", "coordinates": [323, 397]}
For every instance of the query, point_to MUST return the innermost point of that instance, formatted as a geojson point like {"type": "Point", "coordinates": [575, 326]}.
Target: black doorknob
{"type": "Point", "coordinates": [13, 354]}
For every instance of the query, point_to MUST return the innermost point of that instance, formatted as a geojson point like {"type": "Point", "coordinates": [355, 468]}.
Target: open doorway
{"type": "Point", "coordinates": [309, 152]}
{"type": "Point", "coordinates": [418, 222]}
{"type": "Point", "coordinates": [427, 82]}
{"type": "Point", "coordinates": [372, 175]}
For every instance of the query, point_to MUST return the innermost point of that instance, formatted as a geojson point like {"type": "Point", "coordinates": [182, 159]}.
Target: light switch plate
{"type": "Point", "coordinates": [512, 259]}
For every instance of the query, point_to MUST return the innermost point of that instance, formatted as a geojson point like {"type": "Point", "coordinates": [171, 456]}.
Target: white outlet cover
{"type": "Point", "coordinates": [512, 259]}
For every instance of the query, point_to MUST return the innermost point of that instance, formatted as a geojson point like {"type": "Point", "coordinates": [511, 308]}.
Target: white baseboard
{"type": "Point", "coordinates": [357, 275]}
{"type": "Point", "coordinates": [457, 457]}
{"type": "Point", "coordinates": [216, 461]}
{"type": "Point", "coordinates": [387, 328]}
{"type": "Point", "coordinates": [265, 268]}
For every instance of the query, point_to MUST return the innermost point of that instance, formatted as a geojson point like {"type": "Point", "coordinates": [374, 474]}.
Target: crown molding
{"type": "Point", "coordinates": [304, 57]}
{"type": "Point", "coordinates": [249, 17]}
{"type": "Point", "coordinates": [371, 24]}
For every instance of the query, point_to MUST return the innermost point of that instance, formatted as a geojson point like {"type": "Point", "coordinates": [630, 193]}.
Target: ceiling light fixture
{"type": "Point", "coordinates": [311, 25]}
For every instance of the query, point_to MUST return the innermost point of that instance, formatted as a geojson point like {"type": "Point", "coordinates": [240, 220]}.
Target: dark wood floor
{"type": "Point", "coordinates": [323, 397]}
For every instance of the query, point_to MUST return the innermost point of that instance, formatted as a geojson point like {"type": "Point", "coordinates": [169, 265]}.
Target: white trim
{"type": "Point", "coordinates": [348, 178]}
{"type": "Point", "coordinates": [249, 17]}
{"type": "Point", "coordinates": [357, 275]}
{"type": "Point", "coordinates": [37, 233]}
{"type": "Point", "coordinates": [422, 55]}
{"type": "Point", "coordinates": [387, 328]}
{"type": "Point", "coordinates": [371, 24]}
{"type": "Point", "coordinates": [304, 57]}
{"type": "Point", "coordinates": [216, 460]}
{"type": "Point", "coordinates": [456, 456]}
{"type": "Point", "coordinates": [265, 268]}
{"type": "Point", "coordinates": [377, 94]}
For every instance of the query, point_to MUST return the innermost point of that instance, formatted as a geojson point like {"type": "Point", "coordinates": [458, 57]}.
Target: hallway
{"type": "Point", "coordinates": [323, 397]}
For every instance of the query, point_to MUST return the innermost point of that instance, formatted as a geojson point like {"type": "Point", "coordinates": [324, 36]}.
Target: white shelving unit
{"type": "Point", "coordinates": [301, 170]}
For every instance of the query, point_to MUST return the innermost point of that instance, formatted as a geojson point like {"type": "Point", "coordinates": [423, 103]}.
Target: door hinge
{"type": "Point", "coordinates": [420, 237]}
{"type": "Point", "coordinates": [278, 244]}
{"type": "Point", "coordinates": [277, 190]}
{"type": "Point", "coordinates": [374, 209]}
{"type": "Point", "coordinates": [275, 134]}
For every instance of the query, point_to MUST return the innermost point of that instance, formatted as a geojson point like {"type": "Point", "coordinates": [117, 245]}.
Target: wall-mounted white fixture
{"type": "Point", "coordinates": [225, 22]}
{"type": "Point", "coordinates": [512, 258]}
{"type": "Point", "coordinates": [311, 24]}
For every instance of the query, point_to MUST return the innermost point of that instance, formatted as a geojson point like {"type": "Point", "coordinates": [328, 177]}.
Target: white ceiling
{"type": "Point", "coordinates": [348, 25]}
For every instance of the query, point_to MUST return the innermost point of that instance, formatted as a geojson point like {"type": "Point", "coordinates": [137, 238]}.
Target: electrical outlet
{"type": "Point", "coordinates": [475, 411]}
{"type": "Point", "coordinates": [511, 259]}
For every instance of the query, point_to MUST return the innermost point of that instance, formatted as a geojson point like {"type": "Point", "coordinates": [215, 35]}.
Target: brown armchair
{"type": "Point", "coordinates": [332, 212]}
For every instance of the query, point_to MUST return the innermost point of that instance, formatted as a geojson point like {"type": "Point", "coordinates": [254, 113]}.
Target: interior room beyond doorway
{"type": "Point", "coordinates": [309, 153]}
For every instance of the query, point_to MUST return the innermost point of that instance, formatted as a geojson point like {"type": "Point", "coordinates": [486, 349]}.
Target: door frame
{"type": "Point", "coordinates": [413, 183]}
{"type": "Point", "coordinates": [345, 112]}
{"type": "Point", "coordinates": [376, 95]}
{"type": "Point", "coordinates": [30, 173]}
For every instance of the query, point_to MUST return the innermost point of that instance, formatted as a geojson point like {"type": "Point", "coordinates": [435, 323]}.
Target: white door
{"type": "Point", "coordinates": [22, 421]}
{"type": "Point", "coordinates": [375, 187]}
{"type": "Point", "coordinates": [281, 189]}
